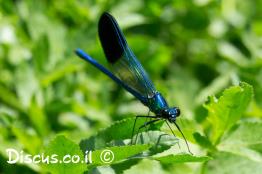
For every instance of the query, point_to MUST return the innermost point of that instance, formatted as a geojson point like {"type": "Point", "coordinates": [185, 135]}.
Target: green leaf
{"type": "Point", "coordinates": [160, 141]}
{"type": "Point", "coordinates": [225, 163]}
{"type": "Point", "coordinates": [181, 158]}
{"type": "Point", "coordinates": [67, 67]}
{"type": "Point", "coordinates": [156, 138]}
{"type": "Point", "coordinates": [145, 166]}
{"type": "Point", "coordinates": [124, 165]}
{"type": "Point", "coordinates": [62, 146]}
{"type": "Point", "coordinates": [203, 141]}
{"type": "Point", "coordinates": [117, 131]}
{"type": "Point", "coordinates": [8, 98]}
{"type": "Point", "coordinates": [244, 140]}
{"type": "Point", "coordinates": [232, 54]}
{"type": "Point", "coordinates": [224, 112]}
{"type": "Point", "coordinates": [41, 54]}
{"type": "Point", "coordinates": [23, 134]}
{"type": "Point", "coordinates": [217, 85]}
{"type": "Point", "coordinates": [119, 153]}
{"type": "Point", "coordinates": [38, 118]}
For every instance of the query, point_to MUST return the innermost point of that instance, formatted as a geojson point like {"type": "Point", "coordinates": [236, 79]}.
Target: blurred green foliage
{"type": "Point", "coordinates": [191, 49]}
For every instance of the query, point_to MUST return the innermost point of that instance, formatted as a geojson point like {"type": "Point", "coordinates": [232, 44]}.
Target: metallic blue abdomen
{"type": "Point", "coordinates": [157, 103]}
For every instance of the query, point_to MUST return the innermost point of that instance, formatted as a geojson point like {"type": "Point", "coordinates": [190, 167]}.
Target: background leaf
{"type": "Point", "coordinates": [232, 164]}
{"type": "Point", "coordinates": [224, 112]}
{"type": "Point", "coordinates": [244, 140]}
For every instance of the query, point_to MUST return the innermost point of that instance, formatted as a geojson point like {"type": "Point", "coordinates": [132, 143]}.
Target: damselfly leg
{"type": "Point", "coordinates": [146, 124]}
{"type": "Point", "coordinates": [139, 116]}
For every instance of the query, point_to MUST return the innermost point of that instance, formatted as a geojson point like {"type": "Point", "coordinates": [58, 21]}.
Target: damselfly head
{"type": "Point", "coordinates": [172, 113]}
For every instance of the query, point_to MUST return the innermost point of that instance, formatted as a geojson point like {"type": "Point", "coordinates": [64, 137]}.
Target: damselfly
{"type": "Point", "coordinates": [129, 73]}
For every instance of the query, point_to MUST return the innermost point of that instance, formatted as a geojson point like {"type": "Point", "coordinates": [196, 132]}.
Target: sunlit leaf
{"type": "Point", "coordinates": [225, 111]}
{"type": "Point", "coordinates": [229, 163]}
{"type": "Point", "coordinates": [181, 158]}
{"type": "Point", "coordinates": [244, 140]}
{"type": "Point", "coordinates": [61, 146]}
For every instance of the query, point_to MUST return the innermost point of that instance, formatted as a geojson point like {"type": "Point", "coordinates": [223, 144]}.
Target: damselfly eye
{"type": "Point", "coordinates": [178, 112]}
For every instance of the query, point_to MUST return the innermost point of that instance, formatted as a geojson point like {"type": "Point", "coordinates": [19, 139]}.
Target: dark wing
{"type": "Point", "coordinates": [124, 63]}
